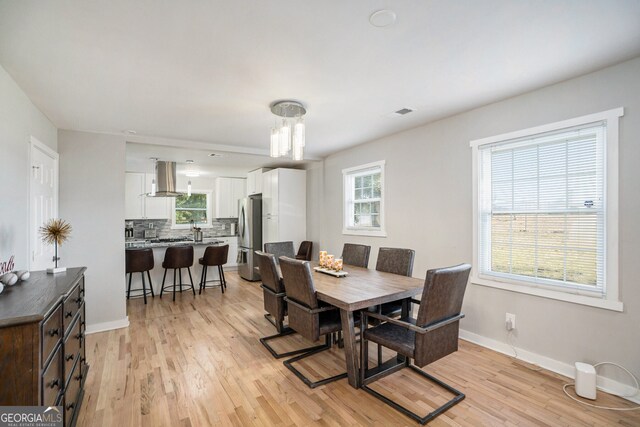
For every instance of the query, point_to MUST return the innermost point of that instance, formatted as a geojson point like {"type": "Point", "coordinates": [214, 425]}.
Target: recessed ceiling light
{"type": "Point", "coordinates": [403, 111]}
{"type": "Point", "coordinates": [382, 18]}
{"type": "Point", "coordinates": [189, 161]}
{"type": "Point", "coordinates": [216, 155]}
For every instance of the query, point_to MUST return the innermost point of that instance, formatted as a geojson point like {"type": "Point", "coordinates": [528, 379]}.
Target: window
{"type": "Point", "coordinates": [196, 208]}
{"type": "Point", "coordinates": [364, 200]}
{"type": "Point", "coordinates": [545, 211]}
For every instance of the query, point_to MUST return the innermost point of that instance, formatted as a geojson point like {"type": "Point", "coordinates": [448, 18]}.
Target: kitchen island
{"type": "Point", "coordinates": [159, 246]}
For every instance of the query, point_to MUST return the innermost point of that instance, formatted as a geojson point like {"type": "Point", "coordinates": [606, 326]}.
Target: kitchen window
{"type": "Point", "coordinates": [192, 210]}
{"type": "Point", "coordinates": [545, 211]}
{"type": "Point", "coordinates": [364, 200]}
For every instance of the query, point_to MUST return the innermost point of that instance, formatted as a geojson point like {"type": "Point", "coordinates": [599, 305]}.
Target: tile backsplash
{"type": "Point", "coordinates": [220, 227]}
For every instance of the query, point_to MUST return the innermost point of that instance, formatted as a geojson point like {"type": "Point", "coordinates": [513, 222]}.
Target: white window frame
{"type": "Point", "coordinates": [175, 226]}
{"type": "Point", "coordinates": [348, 176]}
{"type": "Point", "coordinates": [611, 299]}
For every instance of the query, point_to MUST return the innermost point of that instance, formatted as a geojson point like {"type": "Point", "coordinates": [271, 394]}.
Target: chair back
{"type": "Point", "coordinates": [356, 255]}
{"type": "Point", "coordinates": [216, 255]}
{"type": "Point", "coordinates": [298, 282]}
{"type": "Point", "coordinates": [138, 260]}
{"type": "Point", "coordinates": [396, 261]}
{"type": "Point", "coordinates": [441, 299]}
{"type": "Point", "coordinates": [280, 249]}
{"type": "Point", "coordinates": [269, 271]}
{"type": "Point", "coordinates": [178, 257]}
{"type": "Point", "coordinates": [304, 251]}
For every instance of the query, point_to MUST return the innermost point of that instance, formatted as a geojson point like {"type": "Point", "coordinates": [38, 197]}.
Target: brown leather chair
{"type": "Point", "coordinates": [356, 255]}
{"type": "Point", "coordinates": [307, 315]}
{"type": "Point", "coordinates": [273, 292]}
{"type": "Point", "coordinates": [177, 258]}
{"type": "Point", "coordinates": [214, 256]}
{"type": "Point", "coordinates": [280, 249]}
{"type": "Point", "coordinates": [139, 261]}
{"type": "Point", "coordinates": [304, 251]}
{"type": "Point", "coordinates": [429, 337]}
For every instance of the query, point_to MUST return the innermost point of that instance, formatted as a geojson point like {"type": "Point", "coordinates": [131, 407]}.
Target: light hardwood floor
{"type": "Point", "coordinates": [198, 362]}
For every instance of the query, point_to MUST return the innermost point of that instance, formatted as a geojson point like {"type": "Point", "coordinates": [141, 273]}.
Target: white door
{"type": "Point", "coordinates": [43, 202]}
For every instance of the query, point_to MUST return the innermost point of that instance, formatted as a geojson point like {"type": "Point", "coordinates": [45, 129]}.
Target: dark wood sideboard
{"type": "Point", "coordinates": [42, 348]}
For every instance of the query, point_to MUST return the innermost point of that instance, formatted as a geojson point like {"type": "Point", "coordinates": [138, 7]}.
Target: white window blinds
{"type": "Point", "coordinates": [541, 208]}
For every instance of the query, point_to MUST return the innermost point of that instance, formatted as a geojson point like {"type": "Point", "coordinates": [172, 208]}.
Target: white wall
{"type": "Point", "coordinates": [19, 120]}
{"type": "Point", "coordinates": [92, 200]}
{"type": "Point", "coordinates": [428, 201]}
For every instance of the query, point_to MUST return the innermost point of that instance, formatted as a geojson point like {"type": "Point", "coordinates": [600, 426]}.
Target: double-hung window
{"type": "Point", "coordinates": [545, 211]}
{"type": "Point", "coordinates": [364, 200]}
{"type": "Point", "coordinates": [192, 210]}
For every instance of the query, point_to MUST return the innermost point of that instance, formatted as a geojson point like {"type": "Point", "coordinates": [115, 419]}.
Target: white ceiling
{"type": "Point", "coordinates": [207, 70]}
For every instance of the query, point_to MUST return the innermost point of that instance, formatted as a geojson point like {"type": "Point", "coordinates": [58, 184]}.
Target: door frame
{"type": "Point", "coordinates": [35, 144]}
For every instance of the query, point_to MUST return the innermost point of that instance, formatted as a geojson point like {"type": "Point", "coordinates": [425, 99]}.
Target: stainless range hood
{"type": "Point", "coordinates": [165, 180]}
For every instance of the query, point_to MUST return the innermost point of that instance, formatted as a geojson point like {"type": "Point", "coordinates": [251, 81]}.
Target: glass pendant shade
{"type": "Point", "coordinates": [285, 138]}
{"type": "Point", "coordinates": [275, 147]}
{"type": "Point", "coordinates": [298, 152]}
{"type": "Point", "coordinates": [298, 133]}
{"type": "Point", "coordinates": [153, 187]}
{"type": "Point", "coordinates": [189, 189]}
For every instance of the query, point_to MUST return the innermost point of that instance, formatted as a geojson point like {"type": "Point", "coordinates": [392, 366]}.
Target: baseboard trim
{"type": "Point", "coordinates": [604, 384]}
{"type": "Point", "coordinates": [107, 326]}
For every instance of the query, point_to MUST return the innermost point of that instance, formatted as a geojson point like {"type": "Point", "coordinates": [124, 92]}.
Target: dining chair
{"type": "Point", "coordinates": [304, 251]}
{"type": "Point", "coordinates": [273, 292]}
{"type": "Point", "coordinates": [356, 255]}
{"type": "Point", "coordinates": [430, 337]}
{"type": "Point", "coordinates": [280, 249]}
{"type": "Point", "coordinates": [306, 315]}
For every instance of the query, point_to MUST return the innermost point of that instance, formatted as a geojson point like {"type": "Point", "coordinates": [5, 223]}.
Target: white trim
{"type": "Point", "coordinates": [612, 300]}
{"type": "Point", "coordinates": [107, 326]}
{"type": "Point", "coordinates": [604, 384]}
{"type": "Point", "coordinates": [347, 173]}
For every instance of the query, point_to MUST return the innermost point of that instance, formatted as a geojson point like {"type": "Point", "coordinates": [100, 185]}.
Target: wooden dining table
{"type": "Point", "coordinates": [360, 289]}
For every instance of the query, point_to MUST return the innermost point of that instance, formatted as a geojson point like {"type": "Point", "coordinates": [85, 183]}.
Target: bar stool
{"type": "Point", "coordinates": [214, 256]}
{"type": "Point", "coordinates": [177, 258]}
{"type": "Point", "coordinates": [139, 261]}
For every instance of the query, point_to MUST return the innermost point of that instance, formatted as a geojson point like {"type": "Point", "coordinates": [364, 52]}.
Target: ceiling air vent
{"type": "Point", "coordinates": [403, 111]}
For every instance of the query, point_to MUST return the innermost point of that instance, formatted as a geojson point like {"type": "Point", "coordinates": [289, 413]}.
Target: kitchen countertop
{"type": "Point", "coordinates": [139, 244]}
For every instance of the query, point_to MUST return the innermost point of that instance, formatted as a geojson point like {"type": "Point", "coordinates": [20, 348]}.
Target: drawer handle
{"type": "Point", "coordinates": [54, 332]}
{"type": "Point", "coordinates": [71, 406]}
{"type": "Point", "coordinates": [55, 383]}
{"type": "Point", "coordinates": [69, 357]}
{"type": "Point", "coordinates": [80, 336]}
{"type": "Point", "coordinates": [79, 377]}
{"type": "Point", "coordinates": [68, 314]}
{"type": "Point", "coordinates": [78, 300]}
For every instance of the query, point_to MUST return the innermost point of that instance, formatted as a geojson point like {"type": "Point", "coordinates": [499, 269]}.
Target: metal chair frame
{"type": "Point", "coordinates": [144, 290]}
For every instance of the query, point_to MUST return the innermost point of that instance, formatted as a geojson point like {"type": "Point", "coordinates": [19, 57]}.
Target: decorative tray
{"type": "Point", "coordinates": [331, 272]}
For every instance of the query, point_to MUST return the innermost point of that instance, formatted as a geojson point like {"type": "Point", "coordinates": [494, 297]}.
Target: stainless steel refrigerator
{"type": "Point", "coordinates": [250, 236]}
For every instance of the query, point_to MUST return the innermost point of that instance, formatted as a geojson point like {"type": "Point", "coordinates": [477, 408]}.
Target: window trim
{"type": "Point", "coordinates": [175, 226]}
{"type": "Point", "coordinates": [346, 198]}
{"type": "Point", "coordinates": [611, 300]}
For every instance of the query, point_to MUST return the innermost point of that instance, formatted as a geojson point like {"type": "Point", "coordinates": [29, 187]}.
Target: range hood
{"type": "Point", "coordinates": [165, 180]}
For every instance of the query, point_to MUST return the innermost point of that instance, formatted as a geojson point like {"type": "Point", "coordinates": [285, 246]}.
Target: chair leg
{"type": "Point", "coordinates": [150, 284]}
{"type": "Point", "coordinates": [193, 289]}
{"type": "Point", "coordinates": [309, 383]}
{"type": "Point", "coordinates": [144, 287]}
{"type": "Point", "coordinates": [221, 275]}
{"type": "Point", "coordinates": [174, 285]}
{"type": "Point", "coordinates": [224, 280]}
{"type": "Point", "coordinates": [204, 267]}
{"type": "Point", "coordinates": [164, 276]}
{"type": "Point", "coordinates": [129, 287]}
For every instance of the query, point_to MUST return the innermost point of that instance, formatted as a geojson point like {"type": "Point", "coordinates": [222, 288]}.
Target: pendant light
{"type": "Point", "coordinates": [189, 188]}
{"type": "Point", "coordinates": [289, 137]}
{"type": "Point", "coordinates": [155, 173]}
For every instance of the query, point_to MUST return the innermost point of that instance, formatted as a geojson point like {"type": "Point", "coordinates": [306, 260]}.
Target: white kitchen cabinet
{"type": "Point", "coordinates": [284, 206]}
{"type": "Point", "coordinates": [228, 192]}
{"type": "Point", "coordinates": [254, 181]}
{"type": "Point", "coordinates": [155, 207]}
{"type": "Point", "coordinates": [133, 196]}
{"type": "Point", "coordinates": [233, 250]}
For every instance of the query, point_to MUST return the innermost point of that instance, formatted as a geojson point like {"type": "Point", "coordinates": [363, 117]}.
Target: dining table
{"type": "Point", "coordinates": [359, 289]}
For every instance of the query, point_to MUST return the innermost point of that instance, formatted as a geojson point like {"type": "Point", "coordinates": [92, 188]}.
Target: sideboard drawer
{"type": "Point", "coordinates": [52, 381]}
{"type": "Point", "coordinates": [71, 394]}
{"type": "Point", "coordinates": [71, 305]}
{"type": "Point", "coordinates": [72, 348]}
{"type": "Point", "coordinates": [51, 334]}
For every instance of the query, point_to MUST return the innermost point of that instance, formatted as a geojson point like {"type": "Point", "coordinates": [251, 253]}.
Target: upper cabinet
{"type": "Point", "coordinates": [228, 192]}
{"type": "Point", "coordinates": [137, 204]}
{"type": "Point", "coordinates": [254, 181]}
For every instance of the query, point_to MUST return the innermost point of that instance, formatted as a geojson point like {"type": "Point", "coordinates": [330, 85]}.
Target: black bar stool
{"type": "Point", "coordinates": [177, 258]}
{"type": "Point", "coordinates": [139, 261]}
{"type": "Point", "coordinates": [214, 256]}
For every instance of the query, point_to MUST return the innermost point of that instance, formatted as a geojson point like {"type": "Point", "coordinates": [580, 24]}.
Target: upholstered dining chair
{"type": "Point", "coordinates": [356, 255]}
{"type": "Point", "coordinates": [274, 304]}
{"type": "Point", "coordinates": [307, 315]}
{"type": "Point", "coordinates": [304, 251]}
{"type": "Point", "coordinates": [280, 249]}
{"type": "Point", "coordinates": [432, 335]}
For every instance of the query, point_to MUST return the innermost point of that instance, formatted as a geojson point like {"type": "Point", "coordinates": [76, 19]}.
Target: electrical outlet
{"type": "Point", "coordinates": [510, 321]}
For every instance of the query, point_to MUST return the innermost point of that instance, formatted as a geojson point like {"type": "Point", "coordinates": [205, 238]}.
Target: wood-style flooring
{"type": "Point", "coordinates": [198, 362]}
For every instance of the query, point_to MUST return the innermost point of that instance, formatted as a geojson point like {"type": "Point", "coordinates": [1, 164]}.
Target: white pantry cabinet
{"type": "Point", "coordinates": [284, 206]}
{"type": "Point", "coordinates": [228, 192]}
